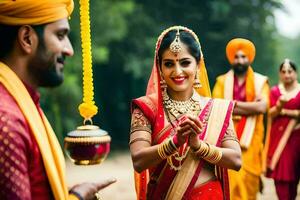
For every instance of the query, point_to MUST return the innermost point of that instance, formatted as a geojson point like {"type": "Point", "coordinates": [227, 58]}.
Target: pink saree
{"type": "Point", "coordinates": [283, 141]}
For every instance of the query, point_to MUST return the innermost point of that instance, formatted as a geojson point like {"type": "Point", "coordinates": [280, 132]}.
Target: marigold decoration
{"type": "Point", "coordinates": [87, 109]}
{"type": "Point", "coordinates": [88, 144]}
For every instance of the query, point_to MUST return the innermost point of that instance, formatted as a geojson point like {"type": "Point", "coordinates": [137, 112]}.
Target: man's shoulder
{"type": "Point", "coordinates": [9, 106]}
{"type": "Point", "coordinates": [222, 77]}
{"type": "Point", "coordinates": [260, 76]}
{"type": "Point", "coordinates": [12, 118]}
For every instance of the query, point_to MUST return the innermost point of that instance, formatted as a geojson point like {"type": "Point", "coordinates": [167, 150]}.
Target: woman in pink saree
{"type": "Point", "coordinates": [181, 140]}
{"type": "Point", "coordinates": [283, 139]}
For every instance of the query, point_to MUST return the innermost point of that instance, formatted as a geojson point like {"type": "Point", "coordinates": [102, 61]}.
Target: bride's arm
{"type": "Point", "coordinates": [143, 154]}
{"type": "Point", "coordinates": [228, 155]}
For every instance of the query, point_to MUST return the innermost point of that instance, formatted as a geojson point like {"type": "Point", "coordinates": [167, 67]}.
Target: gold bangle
{"type": "Point", "coordinates": [166, 149]}
{"type": "Point", "coordinates": [209, 153]}
{"type": "Point", "coordinates": [160, 152]}
{"type": "Point", "coordinates": [214, 155]}
{"type": "Point", "coordinates": [139, 139]}
{"type": "Point", "coordinates": [173, 145]}
{"type": "Point", "coordinates": [203, 150]}
{"type": "Point", "coordinates": [170, 147]}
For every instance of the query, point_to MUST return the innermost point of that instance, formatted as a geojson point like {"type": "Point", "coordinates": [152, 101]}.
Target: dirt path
{"type": "Point", "coordinates": [119, 165]}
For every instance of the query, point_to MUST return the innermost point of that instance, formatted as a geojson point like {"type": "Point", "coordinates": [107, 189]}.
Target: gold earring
{"type": "Point", "coordinates": [197, 83]}
{"type": "Point", "coordinates": [163, 86]}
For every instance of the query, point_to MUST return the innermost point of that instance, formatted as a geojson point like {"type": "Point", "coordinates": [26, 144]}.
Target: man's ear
{"type": "Point", "coordinates": [27, 39]}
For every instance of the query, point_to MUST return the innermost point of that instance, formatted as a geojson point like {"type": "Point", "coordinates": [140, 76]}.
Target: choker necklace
{"type": "Point", "coordinates": [177, 108]}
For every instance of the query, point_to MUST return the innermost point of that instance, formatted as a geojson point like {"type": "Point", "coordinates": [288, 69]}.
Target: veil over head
{"type": "Point", "coordinates": [153, 88]}
{"type": "Point", "coordinates": [154, 92]}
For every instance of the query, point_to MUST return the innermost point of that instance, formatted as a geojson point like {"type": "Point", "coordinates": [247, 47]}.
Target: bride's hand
{"type": "Point", "coordinates": [193, 126]}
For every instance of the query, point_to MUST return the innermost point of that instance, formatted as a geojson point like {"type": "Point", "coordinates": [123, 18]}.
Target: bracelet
{"type": "Point", "coordinates": [203, 150]}
{"type": "Point", "coordinates": [166, 149]}
{"type": "Point", "coordinates": [139, 139]}
{"type": "Point", "coordinates": [76, 194]}
{"type": "Point", "coordinates": [209, 153]}
{"type": "Point", "coordinates": [214, 155]}
{"type": "Point", "coordinates": [175, 141]}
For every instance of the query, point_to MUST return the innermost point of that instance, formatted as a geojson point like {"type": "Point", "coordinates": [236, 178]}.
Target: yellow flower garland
{"type": "Point", "coordinates": [87, 109]}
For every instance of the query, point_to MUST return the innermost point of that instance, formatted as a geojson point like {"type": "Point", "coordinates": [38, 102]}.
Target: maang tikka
{"type": "Point", "coordinates": [176, 45]}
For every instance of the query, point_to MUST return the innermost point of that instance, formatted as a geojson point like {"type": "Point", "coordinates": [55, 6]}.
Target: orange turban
{"type": "Point", "coordinates": [237, 44]}
{"type": "Point", "coordinates": [34, 12]}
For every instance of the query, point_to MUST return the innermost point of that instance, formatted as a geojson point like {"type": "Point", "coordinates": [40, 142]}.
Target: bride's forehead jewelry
{"type": "Point", "coordinates": [178, 28]}
{"type": "Point", "coordinates": [176, 45]}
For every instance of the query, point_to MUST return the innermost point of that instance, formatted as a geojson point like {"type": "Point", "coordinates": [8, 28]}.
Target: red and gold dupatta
{"type": "Point", "coordinates": [161, 181]}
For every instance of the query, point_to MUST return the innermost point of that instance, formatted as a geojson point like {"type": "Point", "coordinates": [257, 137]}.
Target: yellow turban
{"type": "Point", "coordinates": [237, 44]}
{"type": "Point", "coordinates": [34, 12]}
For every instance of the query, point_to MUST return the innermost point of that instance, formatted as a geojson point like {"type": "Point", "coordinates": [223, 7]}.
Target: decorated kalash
{"type": "Point", "coordinates": [88, 144]}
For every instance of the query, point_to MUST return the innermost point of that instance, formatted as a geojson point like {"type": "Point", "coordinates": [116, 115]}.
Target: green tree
{"type": "Point", "coordinates": [124, 34]}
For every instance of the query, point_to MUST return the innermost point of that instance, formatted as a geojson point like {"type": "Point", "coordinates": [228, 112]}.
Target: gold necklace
{"type": "Point", "coordinates": [177, 108]}
{"type": "Point", "coordinates": [179, 158]}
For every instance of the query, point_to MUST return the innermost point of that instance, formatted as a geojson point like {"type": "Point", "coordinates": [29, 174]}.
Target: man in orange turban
{"type": "Point", "coordinates": [34, 43]}
{"type": "Point", "coordinates": [250, 91]}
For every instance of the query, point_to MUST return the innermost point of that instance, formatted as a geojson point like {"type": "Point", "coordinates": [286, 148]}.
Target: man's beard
{"type": "Point", "coordinates": [240, 69]}
{"type": "Point", "coordinates": [43, 68]}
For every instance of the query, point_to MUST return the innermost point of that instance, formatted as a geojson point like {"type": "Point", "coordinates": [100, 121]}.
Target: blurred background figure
{"type": "Point", "coordinates": [283, 139]}
{"type": "Point", "coordinates": [250, 91]}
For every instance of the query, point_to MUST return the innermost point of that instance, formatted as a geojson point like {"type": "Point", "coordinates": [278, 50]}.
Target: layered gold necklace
{"type": "Point", "coordinates": [177, 108]}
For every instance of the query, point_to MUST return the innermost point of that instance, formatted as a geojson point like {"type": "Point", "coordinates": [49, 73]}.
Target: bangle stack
{"type": "Point", "coordinates": [209, 153]}
{"type": "Point", "coordinates": [166, 149]}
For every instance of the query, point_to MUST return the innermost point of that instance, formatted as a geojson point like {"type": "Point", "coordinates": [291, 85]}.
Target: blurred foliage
{"type": "Point", "coordinates": [124, 34]}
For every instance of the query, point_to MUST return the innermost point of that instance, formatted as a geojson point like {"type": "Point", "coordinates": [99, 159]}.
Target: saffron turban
{"type": "Point", "coordinates": [34, 12]}
{"type": "Point", "coordinates": [237, 44]}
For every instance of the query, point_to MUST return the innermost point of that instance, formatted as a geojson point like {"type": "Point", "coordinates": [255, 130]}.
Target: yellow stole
{"type": "Point", "coordinates": [49, 147]}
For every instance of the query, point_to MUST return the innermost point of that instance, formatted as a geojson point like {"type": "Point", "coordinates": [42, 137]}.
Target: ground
{"type": "Point", "coordinates": [119, 165]}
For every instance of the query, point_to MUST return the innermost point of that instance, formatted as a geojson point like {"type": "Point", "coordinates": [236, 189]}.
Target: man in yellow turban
{"type": "Point", "coordinates": [34, 43]}
{"type": "Point", "coordinates": [250, 91]}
